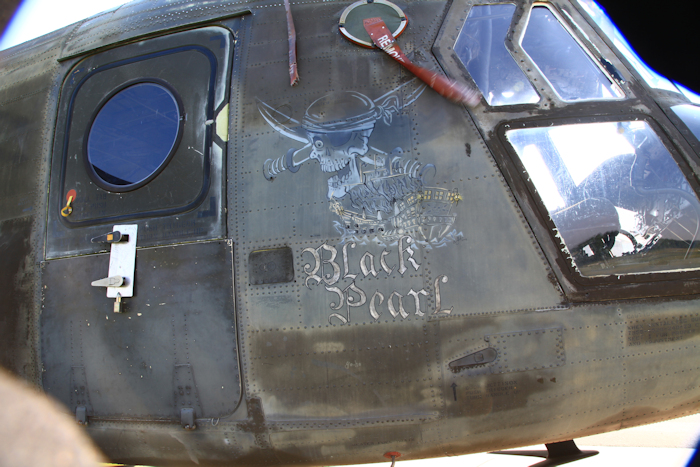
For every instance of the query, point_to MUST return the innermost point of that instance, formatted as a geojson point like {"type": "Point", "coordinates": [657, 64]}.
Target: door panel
{"type": "Point", "coordinates": [174, 346]}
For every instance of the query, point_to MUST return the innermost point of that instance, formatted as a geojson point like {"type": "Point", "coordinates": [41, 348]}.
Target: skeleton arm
{"type": "Point", "coordinates": [272, 167]}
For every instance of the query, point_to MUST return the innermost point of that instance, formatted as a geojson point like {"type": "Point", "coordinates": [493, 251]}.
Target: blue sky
{"type": "Point", "coordinates": [35, 18]}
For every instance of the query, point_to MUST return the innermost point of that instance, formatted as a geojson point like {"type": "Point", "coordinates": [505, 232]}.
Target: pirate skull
{"type": "Point", "coordinates": [338, 126]}
{"type": "Point", "coordinates": [336, 150]}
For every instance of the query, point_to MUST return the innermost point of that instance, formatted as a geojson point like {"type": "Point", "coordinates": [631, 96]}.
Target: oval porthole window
{"type": "Point", "coordinates": [133, 136]}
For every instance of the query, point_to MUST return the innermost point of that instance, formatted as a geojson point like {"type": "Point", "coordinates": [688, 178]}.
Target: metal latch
{"type": "Point", "coordinates": [122, 263]}
{"type": "Point", "coordinates": [81, 415]}
{"type": "Point", "coordinates": [482, 357]}
{"type": "Point", "coordinates": [114, 281]}
{"type": "Point", "coordinates": [187, 418]}
{"type": "Point", "coordinates": [111, 237]}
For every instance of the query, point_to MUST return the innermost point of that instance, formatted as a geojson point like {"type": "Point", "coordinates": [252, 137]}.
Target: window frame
{"type": "Point", "coordinates": [567, 27]}
{"type": "Point", "coordinates": [184, 216]}
{"type": "Point", "coordinates": [463, 66]}
{"type": "Point", "coordinates": [443, 49]}
{"type": "Point", "coordinates": [682, 127]}
{"type": "Point", "coordinates": [576, 286]}
{"type": "Point", "coordinates": [638, 103]}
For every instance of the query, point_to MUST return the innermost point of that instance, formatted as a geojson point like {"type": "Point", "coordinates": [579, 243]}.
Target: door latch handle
{"type": "Point", "coordinates": [111, 237]}
{"type": "Point", "coordinates": [112, 281]}
{"type": "Point", "coordinates": [68, 209]}
{"type": "Point", "coordinates": [122, 263]}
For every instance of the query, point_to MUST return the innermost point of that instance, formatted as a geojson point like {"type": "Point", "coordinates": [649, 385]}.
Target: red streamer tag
{"type": "Point", "coordinates": [292, 34]}
{"type": "Point", "coordinates": [452, 90]}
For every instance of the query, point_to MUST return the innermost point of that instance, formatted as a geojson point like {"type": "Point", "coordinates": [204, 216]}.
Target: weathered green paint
{"type": "Point", "coordinates": [350, 359]}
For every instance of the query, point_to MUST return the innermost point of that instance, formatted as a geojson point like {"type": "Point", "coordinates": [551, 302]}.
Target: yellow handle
{"type": "Point", "coordinates": [67, 210]}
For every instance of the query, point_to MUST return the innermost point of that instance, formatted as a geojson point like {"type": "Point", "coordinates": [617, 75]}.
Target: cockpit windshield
{"type": "Point", "coordinates": [618, 199]}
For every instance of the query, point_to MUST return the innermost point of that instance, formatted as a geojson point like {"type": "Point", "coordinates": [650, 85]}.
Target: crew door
{"type": "Point", "coordinates": [138, 319]}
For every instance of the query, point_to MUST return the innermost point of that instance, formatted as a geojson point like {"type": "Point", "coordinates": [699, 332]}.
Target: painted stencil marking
{"type": "Point", "coordinates": [328, 267]}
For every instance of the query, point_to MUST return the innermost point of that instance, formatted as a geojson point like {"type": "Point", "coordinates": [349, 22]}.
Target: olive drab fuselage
{"type": "Point", "coordinates": [206, 265]}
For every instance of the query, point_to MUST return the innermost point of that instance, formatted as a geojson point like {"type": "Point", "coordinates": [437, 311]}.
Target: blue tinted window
{"type": "Point", "coordinates": [481, 48]}
{"type": "Point", "coordinates": [563, 62]}
{"type": "Point", "coordinates": [133, 135]}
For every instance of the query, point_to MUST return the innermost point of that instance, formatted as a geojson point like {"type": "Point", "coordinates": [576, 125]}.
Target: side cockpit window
{"type": "Point", "coordinates": [618, 199]}
{"type": "Point", "coordinates": [561, 59]}
{"type": "Point", "coordinates": [481, 48]}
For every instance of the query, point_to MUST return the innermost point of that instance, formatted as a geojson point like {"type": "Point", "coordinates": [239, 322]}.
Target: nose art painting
{"type": "Point", "coordinates": [378, 194]}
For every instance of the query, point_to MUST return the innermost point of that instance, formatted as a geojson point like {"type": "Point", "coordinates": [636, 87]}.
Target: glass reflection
{"type": "Point", "coordinates": [561, 59]}
{"type": "Point", "coordinates": [481, 47]}
{"type": "Point", "coordinates": [133, 134]}
{"type": "Point", "coordinates": [617, 197]}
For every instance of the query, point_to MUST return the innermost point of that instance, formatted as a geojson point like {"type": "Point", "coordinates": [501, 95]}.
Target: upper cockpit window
{"type": "Point", "coordinates": [652, 78]}
{"type": "Point", "coordinates": [690, 114]}
{"type": "Point", "coordinates": [563, 62]}
{"type": "Point", "coordinates": [133, 136]}
{"type": "Point", "coordinates": [480, 46]}
{"type": "Point", "coordinates": [618, 199]}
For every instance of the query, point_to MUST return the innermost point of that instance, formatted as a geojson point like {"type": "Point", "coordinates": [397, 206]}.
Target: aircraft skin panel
{"type": "Point", "coordinates": [18, 355]}
{"type": "Point", "coordinates": [28, 96]}
{"type": "Point", "coordinates": [22, 56]}
{"type": "Point", "coordinates": [334, 383]}
{"type": "Point", "coordinates": [20, 180]}
{"type": "Point", "coordinates": [638, 394]}
{"type": "Point", "coordinates": [296, 401]}
{"type": "Point", "coordinates": [132, 20]}
{"type": "Point", "coordinates": [145, 365]}
{"type": "Point", "coordinates": [377, 272]}
{"type": "Point", "coordinates": [509, 385]}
